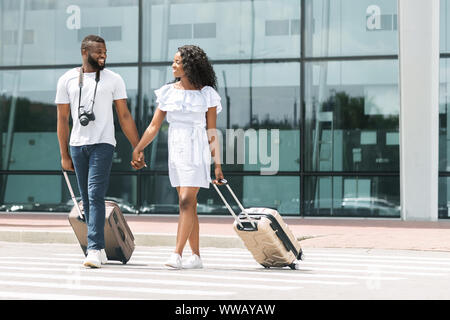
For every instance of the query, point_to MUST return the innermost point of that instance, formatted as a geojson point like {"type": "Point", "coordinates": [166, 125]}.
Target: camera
{"type": "Point", "coordinates": [85, 116]}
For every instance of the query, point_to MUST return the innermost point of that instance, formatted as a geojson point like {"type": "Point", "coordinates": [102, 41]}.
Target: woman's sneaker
{"type": "Point", "coordinates": [93, 259]}
{"type": "Point", "coordinates": [194, 262]}
{"type": "Point", "coordinates": [174, 261]}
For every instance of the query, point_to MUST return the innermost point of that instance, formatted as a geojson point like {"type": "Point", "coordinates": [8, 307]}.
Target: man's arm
{"type": "Point", "coordinates": [129, 128]}
{"type": "Point", "coordinates": [126, 122]}
{"type": "Point", "coordinates": [62, 130]}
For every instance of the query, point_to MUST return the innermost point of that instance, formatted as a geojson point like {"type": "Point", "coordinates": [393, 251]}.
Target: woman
{"type": "Point", "coordinates": [191, 104]}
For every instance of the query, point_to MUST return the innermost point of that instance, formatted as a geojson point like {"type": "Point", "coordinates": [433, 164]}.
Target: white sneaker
{"type": "Point", "coordinates": [174, 261]}
{"type": "Point", "coordinates": [103, 257]}
{"type": "Point", "coordinates": [194, 262]}
{"type": "Point", "coordinates": [93, 259]}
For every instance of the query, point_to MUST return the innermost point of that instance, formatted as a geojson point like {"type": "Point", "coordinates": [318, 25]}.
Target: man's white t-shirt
{"type": "Point", "coordinates": [110, 87]}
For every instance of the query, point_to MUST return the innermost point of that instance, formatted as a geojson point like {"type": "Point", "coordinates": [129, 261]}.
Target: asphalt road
{"type": "Point", "coordinates": [54, 271]}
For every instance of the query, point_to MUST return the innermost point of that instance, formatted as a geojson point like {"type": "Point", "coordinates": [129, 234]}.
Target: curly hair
{"type": "Point", "coordinates": [197, 67]}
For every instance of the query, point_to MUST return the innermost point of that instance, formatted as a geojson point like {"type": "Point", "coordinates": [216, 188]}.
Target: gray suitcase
{"type": "Point", "coordinates": [119, 240]}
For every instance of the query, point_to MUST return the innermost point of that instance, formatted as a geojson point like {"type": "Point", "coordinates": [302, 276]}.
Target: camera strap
{"type": "Point", "coordinates": [80, 84]}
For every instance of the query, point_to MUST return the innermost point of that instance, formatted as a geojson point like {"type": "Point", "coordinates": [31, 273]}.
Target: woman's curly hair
{"type": "Point", "coordinates": [197, 67]}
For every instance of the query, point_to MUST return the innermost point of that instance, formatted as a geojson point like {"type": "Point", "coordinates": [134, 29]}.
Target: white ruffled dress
{"type": "Point", "coordinates": [189, 154]}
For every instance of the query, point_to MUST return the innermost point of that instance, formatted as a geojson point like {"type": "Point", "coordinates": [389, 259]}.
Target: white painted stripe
{"type": "Point", "coordinates": [308, 253]}
{"type": "Point", "coordinates": [311, 257]}
{"type": "Point", "coordinates": [147, 274]}
{"type": "Point", "coordinates": [379, 271]}
{"type": "Point", "coordinates": [52, 296]}
{"type": "Point", "coordinates": [217, 257]}
{"type": "Point", "coordinates": [159, 266]}
{"type": "Point", "coordinates": [91, 277]}
{"type": "Point", "coordinates": [218, 253]}
{"type": "Point", "coordinates": [373, 260]}
{"type": "Point", "coordinates": [259, 275]}
{"type": "Point", "coordinates": [252, 263]}
{"type": "Point", "coordinates": [375, 265]}
{"type": "Point", "coordinates": [95, 288]}
{"type": "Point", "coordinates": [403, 259]}
{"type": "Point", "coordinates": [308, 263]}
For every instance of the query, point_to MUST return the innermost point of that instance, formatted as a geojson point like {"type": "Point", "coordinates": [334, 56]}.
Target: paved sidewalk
{"type": "Point", "coordinates": [158, 230]}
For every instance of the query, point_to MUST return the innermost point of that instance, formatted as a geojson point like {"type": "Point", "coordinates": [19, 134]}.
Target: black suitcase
{"type": "Point", "coordinates": [119, 240]}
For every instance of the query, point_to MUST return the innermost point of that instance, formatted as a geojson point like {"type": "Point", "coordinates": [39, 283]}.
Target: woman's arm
{"type": "Point", "coordinates": [211, 119]}
{"type": "Point", "coordinates": [148, 136]}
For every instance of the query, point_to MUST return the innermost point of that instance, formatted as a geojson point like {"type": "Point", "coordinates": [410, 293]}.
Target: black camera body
{"type": "Point", "coordinates": [85, 116]}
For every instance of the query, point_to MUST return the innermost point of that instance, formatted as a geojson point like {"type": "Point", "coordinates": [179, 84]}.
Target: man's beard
{"type": "Point", "coordinates": [94, 63]}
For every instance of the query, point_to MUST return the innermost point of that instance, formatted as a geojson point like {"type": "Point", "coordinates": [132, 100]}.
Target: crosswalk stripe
{"type": "Point", "coordinates": [91, 277]}
{"type": "Point", "coordinates": [94, 288]}
{"type": "Point", "coordinates": [310, 258]}
{"type": "Point", "coordinates": [259, 276]}
{"type": "Point", "coordinates": [211, 252]}
{"type": "Point", "coordinates": [291, 280]}
{"type": "Point", "coordinates": [52, 296]}
{"type": "Point", "coordinates": [252, 263]}
{"type": "Point", "coordinates": [394, 255]}
{"type": "Point", "coordinates": [413, 260]}
{"type": "Point", "coordinates": [218, 257]}
{"type": "Point", "coordinates": [375, 265]}
{"type": "Point", "coordinates": [304, 265]}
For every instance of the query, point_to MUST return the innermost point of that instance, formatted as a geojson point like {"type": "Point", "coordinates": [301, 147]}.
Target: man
{"type": "Point", "coordinates": [88, 93]}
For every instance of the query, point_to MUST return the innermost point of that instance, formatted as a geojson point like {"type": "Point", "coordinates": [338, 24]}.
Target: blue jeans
{"type": "Point", "coordinates": [92, 165]}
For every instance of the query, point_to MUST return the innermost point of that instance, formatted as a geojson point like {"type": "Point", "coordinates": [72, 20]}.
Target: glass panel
{"type": "Point", "coordinates": [444, 100]}
{"type": "Point", "coordinates": [352, 196]}
{"type": "Point", "coordinates": [28, 120]}
{"type": "Point", "coordinates": [351, 116]}
{"type": "Point", "coordinates": [123, 190]}
{"type": "Point", "coordinates": [31, 193]}
{"type": "Point", "coordinates": [26, 193]}
{"type": "Point", "coordinates": [42, 32]}
{"type": "Point", "coordinates": [444, 198]}
{"type": "Point", "coordinates": [350, 27]}
{"type": "Point", "coordinates": [253, 191]}
{"type": "Point", "coordinates": [122, 153]}
{"type": "Point", "coordinates": [444, 35]}
{"type": "Point", "coordinates": [259, 123]}
{"type": "Point", "coordinates": [158, 196]}
{"type": "Point", "coordinates": [259, 29]}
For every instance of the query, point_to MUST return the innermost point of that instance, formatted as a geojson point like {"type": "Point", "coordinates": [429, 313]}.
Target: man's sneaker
{"type": "Point", "coordinates": [174, 261]}
{"type": "Point", "coordinates": [194, 262]}
{"type": "Point", "coordinates": [93, 259]}
{"type": "Point", "coordinates": [103, 257]}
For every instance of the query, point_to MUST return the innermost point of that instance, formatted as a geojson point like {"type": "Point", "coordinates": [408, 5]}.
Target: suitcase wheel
{"type": "Point", "coordinates": [265, 267]}
{"type": "Point", "coordinates": [301, 256]}
{"type": "Point", "coordinates": [295, 265]}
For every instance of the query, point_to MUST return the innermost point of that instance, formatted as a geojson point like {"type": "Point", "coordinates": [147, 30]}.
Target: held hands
{"type": "Point", "coordinates": [137, 161]}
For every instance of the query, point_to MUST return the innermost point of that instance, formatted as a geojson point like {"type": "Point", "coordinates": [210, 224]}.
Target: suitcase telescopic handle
{"type": "Point", "coordinates": [80, 214]}
{"type": "Point", "coordinates": [225, 182]}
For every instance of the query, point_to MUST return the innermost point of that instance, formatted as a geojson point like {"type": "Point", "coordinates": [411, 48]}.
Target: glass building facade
{"type": "Point", "coordinates": [309, 88]}
{"type": "Point", "coordinates": [444, 113]}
